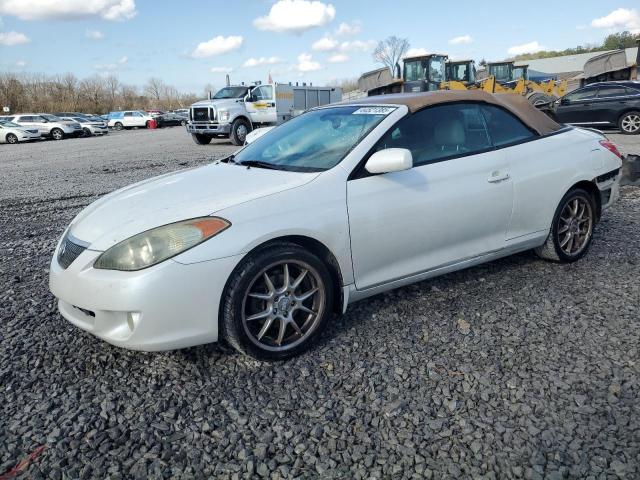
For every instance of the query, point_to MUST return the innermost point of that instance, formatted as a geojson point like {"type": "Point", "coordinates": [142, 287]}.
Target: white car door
{"type": "Point", "coordinates": [454, 204]}
{"type": "Point", "coordinates": [129, 119]}
{"type": "Point", "coordinates": [261, 106]}
{"type": "Point", "coordinates": [35, 122]}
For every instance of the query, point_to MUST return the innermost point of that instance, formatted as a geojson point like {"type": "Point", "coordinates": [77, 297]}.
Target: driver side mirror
{"type": "Point", "coordinates": [390, 160]}
{"type": "Point", "coordinates": [565, 101]}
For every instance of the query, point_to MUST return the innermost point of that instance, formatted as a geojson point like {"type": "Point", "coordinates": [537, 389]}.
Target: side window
{"type": "Point", "coordinates": [582, 95]}
{"type": "Point", "coordinates": [264, 92]}
{"type": "Point", "coordinates": [607, 92]}
{"type": "Point", "coordinates": [138, 114]}
{"type": "Point", "coordinates": [504, 128]}
{"type": "Point", "coordinates": [439, 132]}
{"type": "Point", "coordinates": [128, 114]}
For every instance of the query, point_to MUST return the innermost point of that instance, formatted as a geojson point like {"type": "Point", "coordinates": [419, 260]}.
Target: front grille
{"type": "Point", "coordinates": [201, 114]}
{"type": "Point", "coordinates": [69, 251]}
{"type": "Point", "coordinates": [32, 131]}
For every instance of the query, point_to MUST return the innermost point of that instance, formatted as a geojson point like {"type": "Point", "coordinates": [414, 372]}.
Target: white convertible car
{"type": "Point", "coordinates": [264, 248]}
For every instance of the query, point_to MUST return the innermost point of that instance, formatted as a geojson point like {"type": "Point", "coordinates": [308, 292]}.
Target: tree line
{"type": "Point", "coordinates": [615, 41]}
{"type": "Point", "coordinates": [36, 92]}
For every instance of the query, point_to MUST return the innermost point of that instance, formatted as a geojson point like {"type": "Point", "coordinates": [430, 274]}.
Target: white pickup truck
{"type": "Point", "coordinates": [236, 110]}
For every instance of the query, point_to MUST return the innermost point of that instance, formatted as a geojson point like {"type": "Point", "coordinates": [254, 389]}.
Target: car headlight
{"type": "Point", "coordinates": [224, 115]}
{"type": "Point", "coordinates": [159, 244]}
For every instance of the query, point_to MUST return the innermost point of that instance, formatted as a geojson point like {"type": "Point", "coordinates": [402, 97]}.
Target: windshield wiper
{"type": "Point", "coordinates": [259, 164]}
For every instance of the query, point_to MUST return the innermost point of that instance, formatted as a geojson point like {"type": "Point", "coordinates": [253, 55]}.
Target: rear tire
{"type": "Point", "coordinates": [572, 228]}
{"type": "Point", "coordinates": [239, 130]}
{"type": "Point", "coordinates": [11, 138]}
{"type": "Point", "coordinates": [57, 134]}
{"type": "Point", "coordinates": [629, 123]}
{"type": "Point", "coordinates": [290, 312]}
{"type": "Point", "coordinates": [201, 139]}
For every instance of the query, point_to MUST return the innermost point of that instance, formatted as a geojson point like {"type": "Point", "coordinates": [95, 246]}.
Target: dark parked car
{"type": "Point", "coordinates": [167, 119]}
{"type": "Point", "coordinates": [605, 104]}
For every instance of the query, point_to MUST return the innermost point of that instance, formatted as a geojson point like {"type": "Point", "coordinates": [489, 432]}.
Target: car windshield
{"type": "Point", "coordinates": [315, 141]}
{"type": "Point", "coordinates": [231, 92]}
{"type": "Point", "coordinates": [51, 118]}
{"type": "Point", "coordinates": [80, 119]}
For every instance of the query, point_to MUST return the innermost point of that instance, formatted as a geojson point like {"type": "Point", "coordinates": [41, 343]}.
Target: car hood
{"type": "Point", "coordinates": [177, 196]}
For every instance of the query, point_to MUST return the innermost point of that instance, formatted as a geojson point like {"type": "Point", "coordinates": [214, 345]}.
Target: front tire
{"type": "Point", "coordinates": [11, 138]}
{"type": "Point", "coordinates": [277, 302]}
{"type": "Point", "coordinates": [201, 139]}
{"type": "Point", "coordinates": [57, 134]}
{"type": "Point", "coordinates": [183, 123]}
{"type": "Point", "coordinates": [239, 130]}
{"type": "Point", "coordinates": [118, 126]}
{"type": "Point", "coordinates": [629, 123]}
{"type": "Point", "coordinates": [572, 228]}
{"type": "Point", "coordinates": [86, 132]}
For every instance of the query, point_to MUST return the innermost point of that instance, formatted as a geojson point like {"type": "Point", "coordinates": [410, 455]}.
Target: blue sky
{"type": "Point", "coordinates": [191, 43]}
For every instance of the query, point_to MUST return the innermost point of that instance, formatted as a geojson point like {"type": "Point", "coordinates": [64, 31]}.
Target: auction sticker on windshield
{"type": "Point", "coordinates": [374, 111]}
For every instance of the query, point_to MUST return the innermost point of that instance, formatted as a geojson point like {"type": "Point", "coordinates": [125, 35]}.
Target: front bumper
{"type": "Point", "coordinates": [209, 128]}
{"type": "Point", "coordinates": [164, 307]}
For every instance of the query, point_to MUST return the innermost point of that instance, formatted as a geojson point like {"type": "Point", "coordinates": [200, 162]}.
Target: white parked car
{"type": "Point", "coordinates": [49, 126]}
{"type": "Point", "coordinates": [341, 203]}
{"type": "Point", "coordinates": [13, 133]}
{"type": "Point", "coordinates": [130, 119]}
{"type": "Point", "coordinates": [91, 125]}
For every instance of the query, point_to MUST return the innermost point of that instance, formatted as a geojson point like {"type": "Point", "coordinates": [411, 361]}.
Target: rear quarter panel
{"type": "Point", "coordinates": [544, 170]}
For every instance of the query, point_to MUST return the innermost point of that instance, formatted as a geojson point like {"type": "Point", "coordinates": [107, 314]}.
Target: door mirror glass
{"type": "Point", "coordinates": [389, 160]}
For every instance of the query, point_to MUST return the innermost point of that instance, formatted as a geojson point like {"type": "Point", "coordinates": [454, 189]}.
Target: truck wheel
{"type": "Point", "coordinates": [57, 134]}
{"type": "Point", "coordinates": [239, 130]}
{"type": "Point", "coordinates": [201, 139]}
{"type": "Point", "coordinates": [538, 99]}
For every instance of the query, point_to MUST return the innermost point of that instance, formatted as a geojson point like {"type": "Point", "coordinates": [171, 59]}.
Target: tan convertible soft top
{"type": "Point", "coordinates": [516, 104]}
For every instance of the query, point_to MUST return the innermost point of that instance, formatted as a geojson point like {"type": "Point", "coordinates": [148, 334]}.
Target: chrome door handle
{"type": "Point", "coordinates": [498, 176]}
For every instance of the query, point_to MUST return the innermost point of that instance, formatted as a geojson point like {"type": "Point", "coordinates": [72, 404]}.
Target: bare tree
{"type": "Point", "coordinates": [154, 88]}
{"type": "Point", "coordinates": [390, 51]}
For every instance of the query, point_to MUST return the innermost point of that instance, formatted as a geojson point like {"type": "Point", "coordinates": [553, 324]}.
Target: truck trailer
{"type": "Point", "coordinates": [236, 110]}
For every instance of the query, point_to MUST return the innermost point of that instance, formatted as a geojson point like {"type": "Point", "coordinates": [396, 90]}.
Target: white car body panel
{"type": "Point", "coordinates": [22, 134]}
{"type": "Point", "coordinates": [384, 231]}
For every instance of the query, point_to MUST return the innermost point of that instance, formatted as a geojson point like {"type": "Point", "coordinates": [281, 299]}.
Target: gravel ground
{"type": "Point", "coordinates": [515, 369]}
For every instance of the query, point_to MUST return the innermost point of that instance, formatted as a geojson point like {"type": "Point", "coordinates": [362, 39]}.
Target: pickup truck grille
{"type": "Point", "coordinates": [202, 114]}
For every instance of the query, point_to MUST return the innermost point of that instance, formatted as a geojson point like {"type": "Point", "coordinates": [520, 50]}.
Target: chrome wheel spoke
{"type": "Point", "coordinates": [304, 296]}
{"type": "Point", "coordinates": [265, 327]}
{"type": "Point", "coordinates": [296, 283]}
{"type": "Point", "coordinates": [296, 327]}
{"type": "Point", "coordinates": [286, 280]}
{"type": "Point", "coordinates": [303, 308]}
{"type": "Point", "coordinates": [259, 315]}
{"type": "Point", "coordinates": [564, 242]}
{"type": "Point", "coordinates": [281, 330]}
{"type": "Point", "coordinates": [261, 296]}
{"type": "Point", "coordinates": [269, 283]}
{"type": "Point", "coordinates": [563, 229]}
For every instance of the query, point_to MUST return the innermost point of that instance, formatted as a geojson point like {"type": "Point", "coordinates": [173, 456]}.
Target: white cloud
{"type": "Point", "coordinates": [357, 46]}
{"type": "Point", "coordinates": [257, 62]}
{"type": "Point", "coordinates": [306, 63]}
{"type": "Point", "coordinates": [461, 40]}
{"type": "Point", "coordinates": [21, 63]}
{"type": "Point", "coordinates": [325, 44]}
{"type": "Point", "coordinates": [296, 16]}
{"type": "Point", "coordinates": [415, 52]}
{"type": "Point", "coordinates": [217, 46]}
{"type": "Point", "coordinates": [94, 34]}
{"type": "Point", "coordinates": [619, 19]}
{"type": "Point", "coordinates": [338, 58]}
{"type": "Point", "coordinates": [531, 47]}
{"type": "Point", "coordinates": [69, 9]}
{"type": "Point", "coordinates": [221, 70]}
{"type": "Point", "coordinates": [348, 29]}
{"type": "Point", "coordinates": [13, 38]}
{"type": "Point", "coordinates": [106, 68]}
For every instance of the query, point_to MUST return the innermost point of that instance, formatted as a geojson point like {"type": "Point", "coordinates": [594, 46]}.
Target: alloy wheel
{"type": "Point", "coordinates": [283, 305]}
{"type": "Point", "coordinates": [11, 138]}
{"type": "Point", "coordinates": [631, 123]}
{"type": "Point", "coordinates": [575, 226]}
{"type": "Point", "coordinates": [241, 133]}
